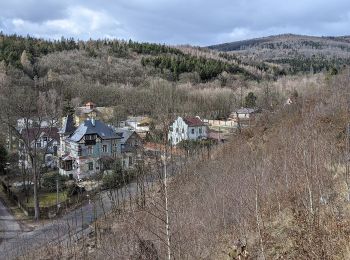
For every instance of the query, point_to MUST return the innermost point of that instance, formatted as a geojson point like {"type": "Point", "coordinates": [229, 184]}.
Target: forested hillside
{"type": "Point", "coordinates": [294, 53]}
{"type": "Point", "coordinates": [128, 74]}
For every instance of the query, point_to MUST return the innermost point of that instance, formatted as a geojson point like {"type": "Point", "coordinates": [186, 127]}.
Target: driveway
{"type": "Point", "coordinates": [9, 227]}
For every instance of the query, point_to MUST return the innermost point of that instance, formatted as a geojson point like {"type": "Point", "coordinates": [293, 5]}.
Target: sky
{"type": "Point", "coordinates": [173, 22]}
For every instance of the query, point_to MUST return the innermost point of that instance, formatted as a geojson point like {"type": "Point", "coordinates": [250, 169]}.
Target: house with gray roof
{"type": "Point", "coordinates": [131, 146]}
{"type": "Point", "coordinates": [84, 150]}
{"type": "Point", "coordinates": [244, 113]}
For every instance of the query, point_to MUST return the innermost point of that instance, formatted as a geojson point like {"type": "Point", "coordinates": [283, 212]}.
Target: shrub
{"type": "Point", "coordinates": [74, 189]}
{"type": "Point", "coordinates": [117, 177]}
{"type": "Point", "coordinates": [49, 181]}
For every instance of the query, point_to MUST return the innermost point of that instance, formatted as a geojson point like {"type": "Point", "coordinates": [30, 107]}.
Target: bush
{"type": "Point", "coordinates": [74, 189]}
{"type": "Point", "coordinates": [117, 177]}
{"type": "Point", "coordinates": [49, 181]}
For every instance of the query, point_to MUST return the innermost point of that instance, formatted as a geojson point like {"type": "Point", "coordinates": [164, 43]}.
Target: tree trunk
{"type": "Point", "coordinates": [36, 195]}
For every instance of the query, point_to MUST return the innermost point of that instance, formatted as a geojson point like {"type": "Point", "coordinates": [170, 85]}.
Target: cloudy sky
{"type": "Point", "coordinates": [174, 21]}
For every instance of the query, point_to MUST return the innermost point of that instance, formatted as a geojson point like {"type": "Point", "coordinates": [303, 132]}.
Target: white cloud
{"type": "Point", "coordinates": [80, 22]}
{"type": "Point", "coordinates": [200, 22]}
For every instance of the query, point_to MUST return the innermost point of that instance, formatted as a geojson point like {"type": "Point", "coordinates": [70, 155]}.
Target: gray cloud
{"type": "Point", "coordinates": [174, 21]}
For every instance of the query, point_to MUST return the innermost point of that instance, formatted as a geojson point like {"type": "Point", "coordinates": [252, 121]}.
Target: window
{"type": "Point", "coordinates": [90, 150]}
{"type": "Point", "coordinates": [45, 138]}
{"type": "Point", "coordinates": [192, 131]}
{"type": "Point", "coordinates": [38, 144]}
{"type": "Point", "coordinates": [177, 129]}
{"type": "Point", "coordinates": [79, 151]}
{"type": "Point", "coordinates": [130, 161]}
{"type": "Point", "coordinates": [183, 130]}
{"type": "Point", "coordinates": [91, 166]}
{"type": "Point", "coordinates": [200, 130]}
{"type": "Point", "coordinates": [104, 148]}
{"type": "Point", "coordinates": [90, 137]}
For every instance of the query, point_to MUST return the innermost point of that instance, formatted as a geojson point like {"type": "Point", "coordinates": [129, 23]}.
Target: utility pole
{"type": "Point", "coordinates": [57, 194]}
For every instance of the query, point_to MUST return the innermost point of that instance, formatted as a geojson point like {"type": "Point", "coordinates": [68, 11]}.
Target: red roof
{"type": "Point", "coordinates": [34, 133]}
{"type": "Point", "coordinates": [193, 121]}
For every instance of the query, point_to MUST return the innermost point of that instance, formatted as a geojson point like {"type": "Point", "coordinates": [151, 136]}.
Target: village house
{"type": "Point", "coordinates": [131, 147]}
{"type": "Point", "coordinates": [12, 141]}
{"type": "Point", "coordinates": [90, 110]}
{"type": "Point", "coordinates": [187, 128]}
{"type": "Point", "coordinates": [244, 113]}
{"type": "Point", "coordinates": [84, 149]}
{"type": "Point", "coordinates": [44, 139]}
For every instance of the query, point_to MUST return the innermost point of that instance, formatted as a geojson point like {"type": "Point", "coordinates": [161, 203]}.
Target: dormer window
{"type": "Point", "coordinates": [90, 139]}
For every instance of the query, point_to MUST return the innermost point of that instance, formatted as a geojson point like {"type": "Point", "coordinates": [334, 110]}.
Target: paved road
{"type": "Point", "coordinates": [72, 225]}
{"type": "Point", "coordinates": [9, 227]}
{"type": "Point", "coordinates": [69, 226]}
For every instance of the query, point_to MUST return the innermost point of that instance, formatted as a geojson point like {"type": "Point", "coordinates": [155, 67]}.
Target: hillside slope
{"type": "Point", "coordinates": [279, 189]}
{"type": "Point", "coordinates": [296, 53]}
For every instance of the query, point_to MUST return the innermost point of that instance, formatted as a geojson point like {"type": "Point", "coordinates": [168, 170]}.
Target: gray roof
{"type": "Point", "coordinates": [125, 133]}
{"type": "Point", "coordinates": [99, 128]}
{"type": "Point", "coordinates": [68, 125]}
{"type": "Point", "coordinates": [246, 110]}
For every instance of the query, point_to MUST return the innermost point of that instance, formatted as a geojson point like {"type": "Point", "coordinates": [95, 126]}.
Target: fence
{"type": "Point", "coordinates": [227, 123]}
{"type": "Point", "coordinates": [45, 211]}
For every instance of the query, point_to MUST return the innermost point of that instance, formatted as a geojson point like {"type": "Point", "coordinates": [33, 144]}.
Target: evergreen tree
{"type": "Point", "coordinates": [250, 100]}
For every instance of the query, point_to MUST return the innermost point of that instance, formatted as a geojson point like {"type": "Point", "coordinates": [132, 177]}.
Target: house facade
{"type": "Point", "coordinates": [187, 128]}
{"type": "Point", "coordinates": [244, 113]}
{"type": "Point", "coordinates": [45, 140]}
{"type": "Point", "coordinates": [131, 147]}
{"type": "Point", "coordinates": [85, 149]}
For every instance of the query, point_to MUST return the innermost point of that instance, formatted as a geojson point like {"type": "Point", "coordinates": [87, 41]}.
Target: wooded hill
{"type": "Point", "coordinates": [130, 75]}
{"type": "Point", "coordinates": [295, 53]}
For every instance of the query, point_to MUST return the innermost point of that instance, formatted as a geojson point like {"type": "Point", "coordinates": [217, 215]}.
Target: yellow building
{"type": "Point", "coordinates": [90, 110]}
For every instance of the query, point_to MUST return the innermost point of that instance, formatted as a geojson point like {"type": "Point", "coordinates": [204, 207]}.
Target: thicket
{"type": "Point", "coordinates": [12, 47]}
{"type": "Point", "coordinates": [314, 64]}
{"type": "Point", "coordinates": [206, 68]}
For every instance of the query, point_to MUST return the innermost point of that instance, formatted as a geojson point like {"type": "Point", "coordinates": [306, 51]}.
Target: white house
{"type": "Point", "coordinates": [188, 128]}
{"type": "Point", "coordinates": [45, 140]}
